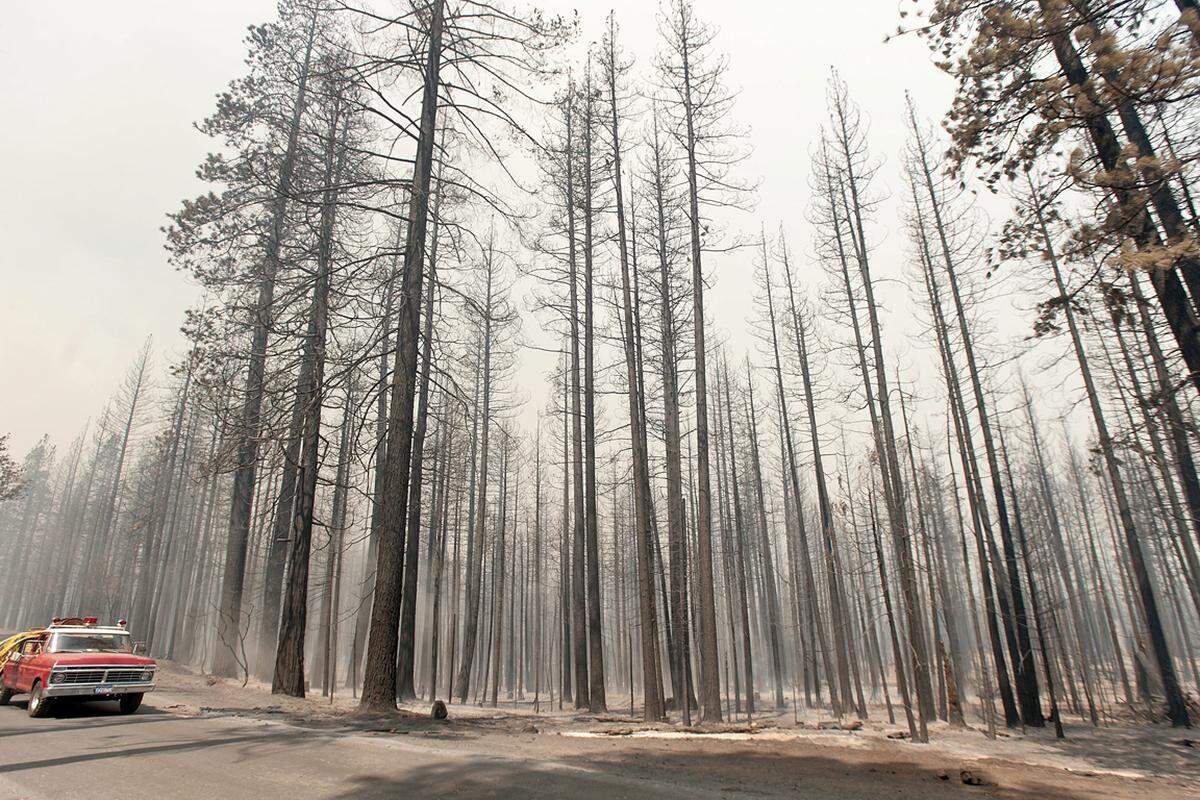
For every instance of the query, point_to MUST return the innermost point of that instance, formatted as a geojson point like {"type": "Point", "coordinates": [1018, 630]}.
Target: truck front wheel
{"type": "Point", "coordinates": [130, 703]}
{"type": "Point", "coordinates": [39, 706]}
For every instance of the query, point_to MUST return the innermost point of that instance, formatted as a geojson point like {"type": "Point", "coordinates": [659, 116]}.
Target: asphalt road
{"type": "Point", "coordinates": [90, 751]}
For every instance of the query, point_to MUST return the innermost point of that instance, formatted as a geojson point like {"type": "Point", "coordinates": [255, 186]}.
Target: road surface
{"type": "Point", "coordinates": [90, 751]}
{"type": "Point", "coordinates": [171, 750]}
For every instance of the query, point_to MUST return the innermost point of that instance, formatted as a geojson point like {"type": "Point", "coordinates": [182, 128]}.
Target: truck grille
{"type": "Point", "coordinates": [75, 676]}
{"type": "Point", "coordinates": [83, 676]}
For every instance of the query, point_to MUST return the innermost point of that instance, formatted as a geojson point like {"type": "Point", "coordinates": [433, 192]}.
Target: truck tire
{"type": "Point", "coordinates": [130, 702]}
{"type": "Point", "coordinates": [5, 695]}
{"type": "Point", "coordinates": [39, 706]}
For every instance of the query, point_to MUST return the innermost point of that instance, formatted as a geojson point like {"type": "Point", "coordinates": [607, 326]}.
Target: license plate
{"type": "Point", "coordinates": [104, 688]}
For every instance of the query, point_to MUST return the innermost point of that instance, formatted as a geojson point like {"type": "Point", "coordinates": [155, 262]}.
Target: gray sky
{"type": "Point", "coordinates": [98, 146]}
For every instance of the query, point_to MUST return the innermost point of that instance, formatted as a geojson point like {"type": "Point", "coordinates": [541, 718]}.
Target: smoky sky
{"type": "Point", "coordinates": [98, 146]}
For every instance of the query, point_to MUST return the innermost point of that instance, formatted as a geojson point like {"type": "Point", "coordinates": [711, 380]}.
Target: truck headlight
{"type": "Point", "coordinates": [147, 676]}
{"type": "Point", "coordinates": [56, 677]}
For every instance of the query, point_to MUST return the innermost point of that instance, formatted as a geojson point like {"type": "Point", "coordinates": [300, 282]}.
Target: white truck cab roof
{"type": "Point", "coordinates": [89, 629]}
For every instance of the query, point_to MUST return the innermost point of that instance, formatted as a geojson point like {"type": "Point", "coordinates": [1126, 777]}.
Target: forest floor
{"type": "Point", "coordinates": [778, 755]}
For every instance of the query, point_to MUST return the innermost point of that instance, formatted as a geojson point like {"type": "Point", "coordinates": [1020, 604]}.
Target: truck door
{"type": "Point", "coordinates": [26, 667]}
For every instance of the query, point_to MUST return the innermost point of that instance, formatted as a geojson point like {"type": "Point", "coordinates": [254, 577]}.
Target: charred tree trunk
{"type": "Point", "coordinates": [1176, 708]}
{"type": "Point", "coordinates": [229, 618]}
{"type": "Point", "coordinates": [653, 708]}
{"type": "Point", "coordinates": [379, 676]}
{"type": "Point", "coordinates": [289, 658]}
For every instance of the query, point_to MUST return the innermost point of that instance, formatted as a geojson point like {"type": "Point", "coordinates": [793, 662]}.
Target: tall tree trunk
{"type": "Point", "coordinates": [893, 485]}
{"type": "Point", "coordinates": [710, 686]}
{"type": "Point", "coordinates": [367, 592]}
{"type": "Point", "coordinates": [99, 542]}
{"type": "Point", "coordinates": [1176, 708]}
{"type": "Point", "coordinates": [229, 618]}
{"type": "Point", "coordinates": [803, 576]}
{"type": "Point", "coordinates": [980, 520]}
{"type": "Point", "coordinates": [897, 651]}
{"type": "Point", "coordinates": [825, 507]}
{"type": "Point", "coordinates": [652, 708]}
{"type": "Point", "coordinates": [579, 621]}
{"type": "Point", "coordinates": [325, 661]}
{"type": "Point", "coordinates": [289, 658]}
{"type": "Point", "coordinates": [379, 677]}
{"type": "Point", "coordinates": [1026, 673]}
{"type": "Point", "coordinates": [768, 557]}
{"type": "Point", "coordinates": [405, 663]}
{"type": "Point", "coordinates": [564, 554]}
{"type": "Point", "coordinates": [1033, 595]}
{"type": "Point", "coordinates": [596, 702]}
{"type": "Point", "coordinates": [475, 542]}
{"type": "Point", "coordinates": [678, 639]}
{"type": "Point", "coordinates": [739, 549]}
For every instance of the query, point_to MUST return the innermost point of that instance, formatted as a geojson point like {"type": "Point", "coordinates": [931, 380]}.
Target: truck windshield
{"type": "Point", "coordinates": [91, 643]}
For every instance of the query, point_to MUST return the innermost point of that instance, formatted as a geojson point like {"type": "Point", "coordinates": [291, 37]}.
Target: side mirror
{"type": "Point", "coordinates": [139, 648]}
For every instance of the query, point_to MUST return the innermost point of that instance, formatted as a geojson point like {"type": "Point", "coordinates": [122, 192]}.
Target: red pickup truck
{"type": "Point", "coordinates": [77, 659]}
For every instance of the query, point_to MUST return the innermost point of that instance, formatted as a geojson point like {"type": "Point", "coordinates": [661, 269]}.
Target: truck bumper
{"type": "Point", "coordinates": [101, 692]}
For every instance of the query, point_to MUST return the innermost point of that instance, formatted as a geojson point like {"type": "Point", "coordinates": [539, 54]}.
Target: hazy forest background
{"type": "Point", "coordinates": [512, 370]}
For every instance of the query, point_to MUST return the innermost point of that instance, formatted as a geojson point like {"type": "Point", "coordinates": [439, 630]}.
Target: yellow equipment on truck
{"type": "Point", "coordinates": [13, 643]}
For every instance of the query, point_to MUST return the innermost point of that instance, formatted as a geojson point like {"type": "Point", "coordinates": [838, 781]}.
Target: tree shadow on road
{"type": "Point", "coordinates": [282, 736]}
{"type": "Point", "coordinates": [85, 720]}
{"type": "Point", "coordinates": [737, 773]}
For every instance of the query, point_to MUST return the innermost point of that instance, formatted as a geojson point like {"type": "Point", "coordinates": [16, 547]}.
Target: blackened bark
{"type": "Point", "coordinates": [229, 618]}
{"type": "Point", "coordinates": [379, 678]}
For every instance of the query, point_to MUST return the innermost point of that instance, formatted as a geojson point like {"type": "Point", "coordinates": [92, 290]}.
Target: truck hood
{"type": "Point", "coordinates": [107, 659]}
